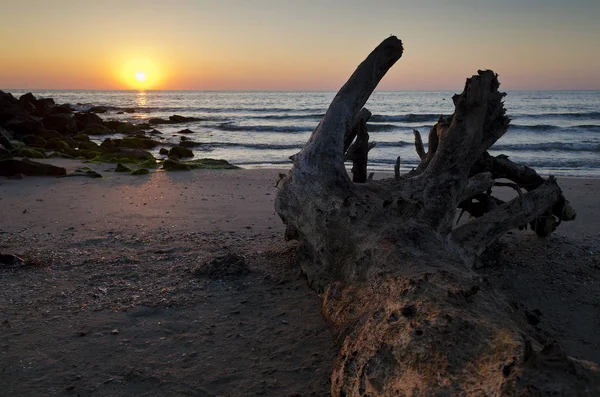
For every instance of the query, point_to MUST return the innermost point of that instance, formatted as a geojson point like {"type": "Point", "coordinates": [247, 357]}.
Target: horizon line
{"type": "Point", "coordinates": [263, 90]}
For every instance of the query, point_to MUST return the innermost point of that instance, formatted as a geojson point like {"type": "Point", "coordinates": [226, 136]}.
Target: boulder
{"type": "Point", "coordinates": [4, 153]}
{"type": "Point", "coordinates": [173, 165]}
{"type": "Point", "coordinates": [7, 98]}
{"type": "Point", "coordinates": [186, 131]}
{"type": "Point", "coordinates": [96, 129]}
{"type": "Point", "coordinates": [22, 125]}
{"type": "Point", "coordinates": [32, 140]}
{"type": "Point", "coordinates": [181, 119]}
{"type": "Point", "coordinates": [81, 138]}
{"type": "Point", "coordinates": [180, 152]}
{"type": "Point", "coordinates": [49, 134]}
{"type": "Point", "coordinates": [83, 119]}
{"type": "Point", "coordinates": [65, 108]}
{"type": "Point", "coordinates": [158, 120]}
{"type": "Point", "coordinates": [140, 171]}
{"type": "Point", "coordinates": [137, 143]}
{"type": "Point", "coordinates": [190, 144]}
{"type": "Point", "coordinates": [122, 127]}
{"type": "Point", "coordinates": [27, 102]}
{"type": "Point", "coordinates": [11, 167]}
{"type": "Point", "coordinates": [5, 138]}
{"type": "Point", "coordinates": [98, 109]}
{"type": "Point", "coordinates": [122, 168]}
{"type": "Point", "coordinates": [43, 106]}
{"type": "Point", "coordinates": [163, 151]}
{"type": "Point", "coordinates": [58, 145]}
{"type": "Point", "coordinates": [89, 145]}
{"type": "Point", "coordinates": [62, 122]}
{"type": "Point", "coordinates": [30, 153]}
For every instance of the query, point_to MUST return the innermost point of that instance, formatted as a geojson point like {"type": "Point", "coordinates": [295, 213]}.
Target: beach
{"type": "Point", "coordinates": [182, 284]}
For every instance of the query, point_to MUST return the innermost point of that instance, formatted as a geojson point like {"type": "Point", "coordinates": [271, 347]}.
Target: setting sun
{"type": "Point", "coordinates": [140, 76]}
{"type": "Point", "coordinates": [139, 73]}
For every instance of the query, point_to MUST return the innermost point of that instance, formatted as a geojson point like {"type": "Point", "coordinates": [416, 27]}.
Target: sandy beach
{"type": "Point", "coordinates": [125, 290]}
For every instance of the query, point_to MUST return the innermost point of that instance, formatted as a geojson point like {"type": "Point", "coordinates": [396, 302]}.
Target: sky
{"type": "Point", "coordinates": [295, 45]}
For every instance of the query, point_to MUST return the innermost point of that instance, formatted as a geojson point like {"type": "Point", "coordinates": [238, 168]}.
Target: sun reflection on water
{"type": "Point", "coordinates": [141, 99]}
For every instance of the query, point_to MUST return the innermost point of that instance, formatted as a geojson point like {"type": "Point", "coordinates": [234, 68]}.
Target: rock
{"type": "Point", "coordinates": [163, 151]}
{"type": "Point", "coordinates": [140, 171]}
{"type": "Point", "coordinates": [126, 155]}
{"type": "Point", "coordinates": [62, 122]}
{"type": "Point", "coordinates": [43, 106]}
{"type": "Point", "coordinates": [190, 144]}
{"type": "Point", "coordinates": [89, 145]}
{"type": "Point", "coordinates": [87, 172]}
{"type": "Point", "coordinates": [137, 143]}
{"type": "Point", "coordinates": [11, 260]}
{"type": "Point", "coordinates": [99, 109]}
{"type": "Point", "coordinates": [173, 165]}
{"type": "Point", "coordinates": [4, 154]}
{"type": "Point", "coordinates": [5, 138]}
{"type": "Point", "coordinates": [182, 119]}
{"type": "Point", "coordinates": [81, 138]}
{"type": "Point", "coordinates": [96, 129]}
{"type": "Point", "coordinates": [83, 119]}
{"type": "Point", "coordinates": [7, 98]}
{"type": "Point", "coordinates": [58, 145]}
{"type": "Point", "coordinates": [23, 125]}
{"type": "Point", "coordinates": [215, 164]}
{"type": "Point", "coordinates": [122, 127]}
{"type": "Point", "coordinates": [180, 152]}
{"type": "Point", "coordinates": [109, 143]}
{"type": "Point", "coordinates": [62, 109]}
{"type": "Point", "coordinates": [27, 102]}
{"type": "Point", "coordinates": [29, 153]}
{"type": "Point", "coordinates": [49, 134]}
{"type": "Point", "coordinates": [32, 140]}
{"type": "Point", "coordinates": [186, 131]}
{"type": "Point", "coordinates": [155, 132]}
{"type": "Point", "coordinates": [121, 168]}
{"type": "Point", "coordinates": [227, 266]}
{"type": "Point", "coordinates": [11, 167]}
{"type": "Point", "coordinates": [158, 120]}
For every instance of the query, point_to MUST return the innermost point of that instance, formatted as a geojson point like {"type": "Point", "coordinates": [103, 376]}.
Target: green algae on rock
{"type": "Point", "coordinates": [215, 164]}
{"type": "Point", "coordinates": [140, 171]}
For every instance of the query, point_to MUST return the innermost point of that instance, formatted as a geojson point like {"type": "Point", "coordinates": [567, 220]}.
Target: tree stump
{"type": "Point", "coordinates": [410, 315]}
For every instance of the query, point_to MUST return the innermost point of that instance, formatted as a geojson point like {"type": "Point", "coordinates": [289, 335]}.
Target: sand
{"type": "Point", "coordinates": [112, 302]}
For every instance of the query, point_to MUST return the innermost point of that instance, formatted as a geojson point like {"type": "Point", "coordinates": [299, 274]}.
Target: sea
{"type": "Point", "coordinates": [555, 132]}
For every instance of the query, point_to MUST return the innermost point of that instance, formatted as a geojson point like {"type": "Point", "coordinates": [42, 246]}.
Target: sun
{"type": "Point", "coordinates": [140, 76]}
{"type": "Point", "coordinates": [140, 73]}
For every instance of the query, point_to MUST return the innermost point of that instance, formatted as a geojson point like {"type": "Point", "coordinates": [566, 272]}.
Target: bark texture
{"type": "Point", "coordinates": [410, 315]}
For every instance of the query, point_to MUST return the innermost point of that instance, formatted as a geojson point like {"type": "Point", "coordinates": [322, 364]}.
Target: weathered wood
{"type": "Point", "coordinates": [352, 132]}
{"type": "Point", "coordinates": [358, 153]}
{"type": "Point", "coordinates": [409, 314]}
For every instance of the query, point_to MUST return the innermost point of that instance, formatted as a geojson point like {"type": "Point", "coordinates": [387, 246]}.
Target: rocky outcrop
{"type": "Point", "coordinates": [178, 152]}
{"type": "Point", "coordinates": [10, 167]}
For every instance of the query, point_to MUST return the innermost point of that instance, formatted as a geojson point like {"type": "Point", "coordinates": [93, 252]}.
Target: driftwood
{"type": "Point", "coordinates": [410, 315]}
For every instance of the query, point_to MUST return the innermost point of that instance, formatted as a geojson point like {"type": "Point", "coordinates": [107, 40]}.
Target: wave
{"type": "Point", "coordinates": [263, 128]}
{"type": "Point", "coordinates": [516, 147]}
{"type": "Point", "coordinates": [549, 146]}
{"type": "Point", "coordinates": [315, 116]}
{"type": "Point", "coordinates": [563, 115]}
{"type": "Point", "coordinates": [406, 118]}
{"type": "Point", "coordinates": [382, 127]}
{"type": "Point", "coordinates": [255, 146]}
{"type": "Point", "coordinates": [551, 128]}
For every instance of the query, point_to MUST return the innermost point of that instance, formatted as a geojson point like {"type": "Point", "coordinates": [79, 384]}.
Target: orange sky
{"type": "Point", "coordinates": [292, 45]}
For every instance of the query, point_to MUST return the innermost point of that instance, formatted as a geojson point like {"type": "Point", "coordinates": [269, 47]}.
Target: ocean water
{"type": "Point", "coordinates": [556, 132]}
